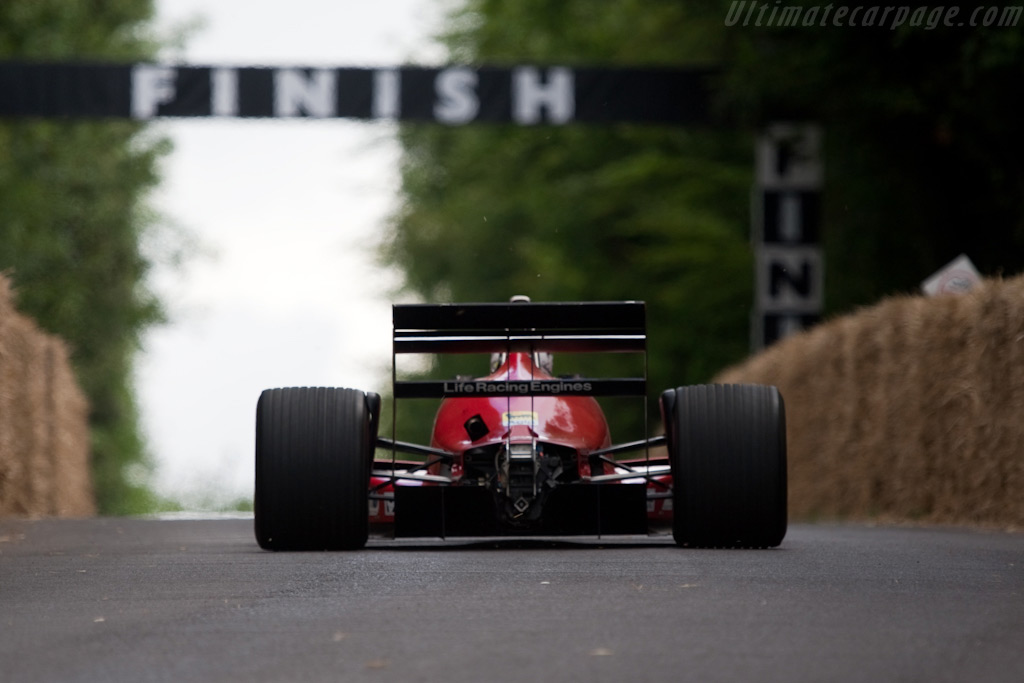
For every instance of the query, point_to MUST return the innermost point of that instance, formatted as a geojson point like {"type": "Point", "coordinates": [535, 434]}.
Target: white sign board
{"type": "Point", "coordinates": [956, 277]}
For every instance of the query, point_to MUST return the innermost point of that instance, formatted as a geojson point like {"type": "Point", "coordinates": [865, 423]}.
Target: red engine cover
{"type": "Point", "coordinates": [573, 421]}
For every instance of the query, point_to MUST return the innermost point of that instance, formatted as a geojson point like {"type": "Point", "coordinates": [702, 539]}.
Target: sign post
{"type": "Point", "coordinates": [786, 226]}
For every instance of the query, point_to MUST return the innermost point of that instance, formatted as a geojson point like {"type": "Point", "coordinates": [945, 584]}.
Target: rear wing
{"type": "Point", "coordinates": [609, 327]}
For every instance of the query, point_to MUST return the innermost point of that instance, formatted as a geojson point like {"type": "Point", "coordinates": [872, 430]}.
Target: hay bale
{"type": "Point", "coordinates": [44, 436]}
{"type": "Point", "coordinates": [908, 410]}
{"type": "Point", "coordinates": [72, 490]}
{"type": "Point", "coordinates": [21, 398]}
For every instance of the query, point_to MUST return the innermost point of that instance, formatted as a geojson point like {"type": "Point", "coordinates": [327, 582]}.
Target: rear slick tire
{"type": "Point", "coordinates": [727, 449]}
{"type": "Point", "coordinates": [314, 449]}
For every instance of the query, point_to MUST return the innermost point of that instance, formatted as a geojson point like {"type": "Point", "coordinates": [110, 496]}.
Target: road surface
{"type": "Point", "coordinates": [156, 600]}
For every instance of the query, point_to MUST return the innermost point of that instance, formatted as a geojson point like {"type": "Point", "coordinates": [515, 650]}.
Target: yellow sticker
{"type": "Point", "coordinates": [517, 418]}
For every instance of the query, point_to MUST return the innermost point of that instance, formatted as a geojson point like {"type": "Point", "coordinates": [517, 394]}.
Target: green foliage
{"type": "Point", "coordinates": [922, 142]}
{"type": "Point", "coordinates": [585, 213]}
{"type": "Point", "coordinates": [922, 162]}
{"type": "Point", "coordinates": [71, 224]}
{"type": "Point", "coordinates": [76, 29]}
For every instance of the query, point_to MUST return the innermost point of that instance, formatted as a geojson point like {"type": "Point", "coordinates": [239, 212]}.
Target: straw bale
{"type": "Point", "coordinates": [897, 399]}
{"type": "Point", "coordinates": [23, 399]}
{"type": "Point", "coordinates": [72, 485]}
{"type": "Point", "coordinates": [44, 437]}
{"type": "Point", "coordinates": [9, 474]}
{"type": "Point", "coordinates": [908, 410]}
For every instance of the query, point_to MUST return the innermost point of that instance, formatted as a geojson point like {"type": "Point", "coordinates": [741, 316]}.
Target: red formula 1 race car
{"type": "Point", "coordinates": [520, 452]}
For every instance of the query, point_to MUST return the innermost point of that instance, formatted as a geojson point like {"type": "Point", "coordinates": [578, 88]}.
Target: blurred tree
{"type": "Point", "coordinates": [923, 161]}
{"type": "Point", "coordinates": [586, 213]}
{"type": "Point", "coordinates": [923, 143]}
{"type": "Point", "coordinates": [72, 220]}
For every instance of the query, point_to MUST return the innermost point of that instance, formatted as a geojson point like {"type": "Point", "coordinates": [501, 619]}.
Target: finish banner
{"type": "Point", "coordinates": [453, 95]}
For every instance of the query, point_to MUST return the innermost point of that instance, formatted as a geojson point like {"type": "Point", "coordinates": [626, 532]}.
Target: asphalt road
{"type": "Point", "coordinates": [146, 600]}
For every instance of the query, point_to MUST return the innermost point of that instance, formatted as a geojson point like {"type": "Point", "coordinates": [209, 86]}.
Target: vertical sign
{"type": "Point", "coordinates": [785, 232]}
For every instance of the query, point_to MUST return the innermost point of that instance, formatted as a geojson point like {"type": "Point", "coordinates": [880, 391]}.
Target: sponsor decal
{"type": "Point", "coordinates": [513, 388]}
{"type": "Point", "coordinates": [382, 510]}
{"type": "Point", "coordinates": [518, 418]}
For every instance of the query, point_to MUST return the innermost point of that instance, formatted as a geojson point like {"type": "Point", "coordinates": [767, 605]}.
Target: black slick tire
{"type": "Point", "coordinates": [314, 450]}
{"type": "Point", "coordinates": [727, 448]}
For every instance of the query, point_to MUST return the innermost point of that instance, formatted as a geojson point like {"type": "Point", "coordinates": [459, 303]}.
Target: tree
{"type": "Point", "coordinates": [72, 219]}
{"type": "Point", "coordinates": [922, 162]}
{"type": "Point", "coordinates": [922, 140]}
{"type": "Point", "coordinates": [585, 213]}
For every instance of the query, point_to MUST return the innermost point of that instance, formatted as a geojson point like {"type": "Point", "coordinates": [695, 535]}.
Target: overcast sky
{"type": "Point", "coordinates": [281, 289]}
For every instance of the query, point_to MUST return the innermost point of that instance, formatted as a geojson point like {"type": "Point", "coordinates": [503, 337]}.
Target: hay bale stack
{"type": "Point", "coordinates": [16, 405]}
{"type": "Point", "coordinates": [72, 490]}
{"type": "Point", "coordinates": [910, 410]}
{"type": "Point", "coordinates": [44, 436]}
